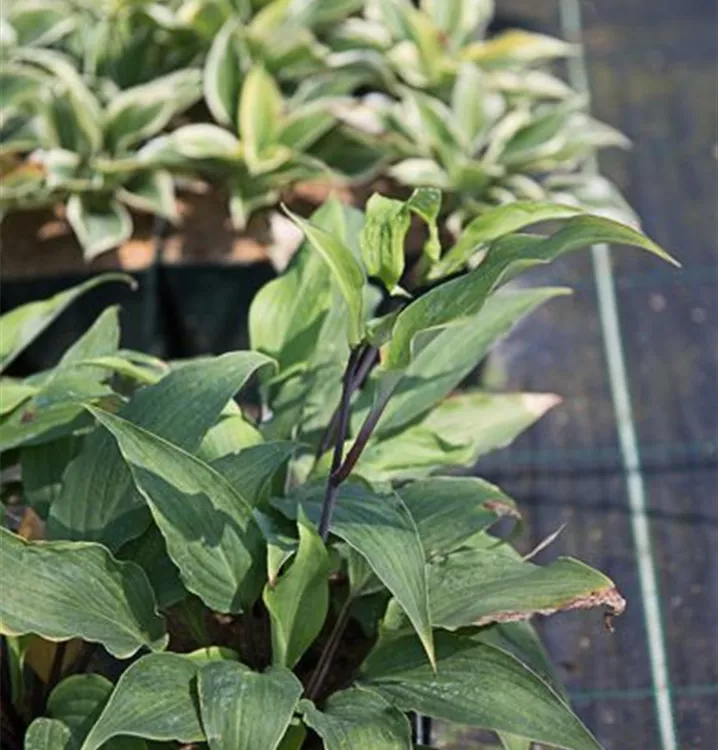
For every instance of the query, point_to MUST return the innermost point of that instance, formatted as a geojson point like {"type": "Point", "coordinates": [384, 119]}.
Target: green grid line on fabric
{"type": "Point", "coordinates": [683, 691]}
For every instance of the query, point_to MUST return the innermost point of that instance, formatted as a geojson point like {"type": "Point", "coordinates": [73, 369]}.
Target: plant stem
{"type": "Point", "coordinates": [13, 726]}
{"type": "Point", "coordinates": [360, 441]}
{"type": "Point", "coordinates": [363, 368]}
{"type": "Point", "coordinates": [56, 668]}
{"type": "Point", "coordinates": [330, 494]}
{"type": "Point", "coordinates": [330, 648]}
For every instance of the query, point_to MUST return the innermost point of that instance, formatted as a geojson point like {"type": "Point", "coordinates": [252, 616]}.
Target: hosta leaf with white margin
{"type": "Point", "coordinates": [455, 433]}
{"type": "Point", "coordinates": [380, 528]}
{"type": "Point", "coordinates": [460, 20]}
{"type": "Point", "coordinates": [195, 142]}
{"type": "Point", "coordinates": [474, 684]}
{"type": "Point", "coordinates": [40, 23]}
{"type": "Point", "coordinates": [490, 583]}
{"type": "Point", "coordinates": [252, 470]}
{"type": "Point", "coordinates": [508, 256]}
{"type": "Point", "coordinates": [304, 126]}
{"type": "Point", "coordinates": [299, 601]}
{"type": "Point", "coordinates": [48, 734]}
{"type": "Point", "coordinates": [223, 74]}
{"type": "Point", "coordinates": [287, 313]}
{"type": "Point", "coordinates": [382, 239]}
{"type": "Point", "coordinates": [260, 111]}
{"type": "Point", "coordinates": [155, 699]}
{"type": "Point", "coordinates": [244, 710]}
{"type": "Point", "coordinates": [450, 510]}
{"type": "Point", "coordinates": [140, 112]}
{"type": "Point", "coordinates": [64, 590]}
{"type": "Point", "coordinates": [55, 411]}
{"type": "Point", "coordinates": [517, 47]}
{"type": "Point", "coordinates": [19, 327]}
{"type": "Point", "coordinates": [358, 719]}
{"type": "Point", "coordinates": [98, 500]}
{"type": "Point", "coordinates": [100, 223]}
{"type": "Point", "coordinates": [151, 192]}
{"type": "Point", "coordinates": [452, 353]}
{"type": "Point", "coordinates": [497, 223]}
{"type": "Point", "coordinates": [346, 271]}
{"type": "Point", "coordinates": [211, 534]}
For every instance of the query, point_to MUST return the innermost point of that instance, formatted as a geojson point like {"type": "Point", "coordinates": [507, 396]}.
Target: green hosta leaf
{"type": "Point", "coordinates": [98, 500]}
{"type": "Point", "coordinates": [466, 295]}
{"type": "Point", "coordinates": [452, 353]}
{"type": "Point", "coordinates": [54, 412]}
{"type": "Point", "coordinates": [252, 470]}
{"type": "Point", "coordinates": [42, 469]}
{"type": "Point", "coordinates": [382, 239]}
{"type": "Point", "coordinates": [210, 532]}
{"type": "Point", "coordinates": [383, 531]}
{"type": "Point", "coordinates": [477, 685]}
{"type": "Point", "coordinates": [13, 393]}
{"type": "Point", "coordinates": [230, 435]}
{"type": "Point", "coordinates": [156, 699]}
{"type": "Point", "coordinates": [493, 584]}
{"type": "Point", "coordinates": [425, 202]}
{"type": "Point", "coordinates": [149, 551]}
{"type": "Point", "coordinates": [78, 701]}
{"type": "Point", "coordinates": [286, 315]}
{"type": "Point", "coordinates": [19, 327]}
{"type": "Point", "coordinates": [299, 601]}
{"type": "Point", "coordinates": [48, 734]}
{"type": "Point", "coordinates": [100, 224]}
{"type": "Point", "coordinates": [223, 74]}
{"type": "Point", "coordinates": [243, 710]}
{"type": "Point", "coordinates": [450, 510]}
{"type": "Point", "coordinates": [64, 590]}
{"type": "Point", "coordinates": [140, 112]}
{"type": "Point", "coordinates": [496, 223]}
{"type": "Point", "coordinates": [456, 433]}
{"type": "Point", "coordinates": [102, 338]}
{"type": "Point", "coordinates": [152, 193]}
{"type": "Point", "coordinates": [358, 719]}
{"type": "Point", "coordinates": [346, 270]}
{"type": "Point", "coordinates": [512, 742]}
{"type": "Point", "coordinates": [517, 47]}
{"type": "Point", "coordinates": [282, 543]}
{"type": "Point", "coordinates": [260, 110]}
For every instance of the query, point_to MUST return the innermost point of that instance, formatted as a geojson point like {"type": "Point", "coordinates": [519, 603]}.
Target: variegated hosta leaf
{"type": "Point", "coordinates": [517, 48]}
{"type": "Point", "coordinates": [197, 142]}
{"type": "Point", "coordinates": [100, 223]}
{"type": "Point", "coordinates": [223, 73]}
{"type": "Point", "coordinates": [64, 590]}
{"type": "Point", "coordinates": [141, 112]}
{"type": "Point", "coordinates": [260, 111]}
{"type": "Point", "coordinates": [151, 192]}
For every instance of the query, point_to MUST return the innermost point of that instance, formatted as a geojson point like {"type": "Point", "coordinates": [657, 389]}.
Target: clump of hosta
{"type": "Point", "coordinates": [306, 560]}
{"type": "Point", "coordinates": [483, 119]}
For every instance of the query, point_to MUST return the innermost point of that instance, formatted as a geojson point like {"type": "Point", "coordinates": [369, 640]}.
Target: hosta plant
{"type": "Point", "coordinates": [344, 91]}
{"type": "Point", "coordinates": [295, 568]}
